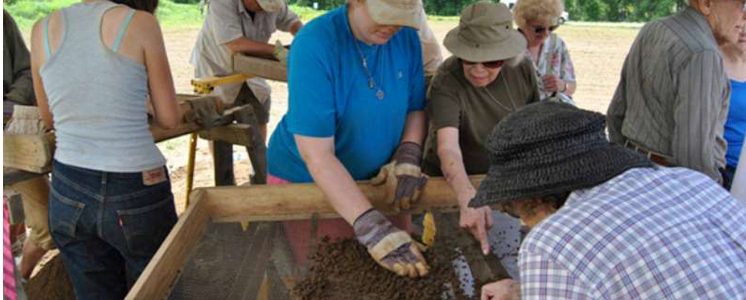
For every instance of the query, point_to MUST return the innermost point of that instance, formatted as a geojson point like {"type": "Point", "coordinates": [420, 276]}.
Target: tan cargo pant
{"type": "Point", "coordinates": [35, 196]}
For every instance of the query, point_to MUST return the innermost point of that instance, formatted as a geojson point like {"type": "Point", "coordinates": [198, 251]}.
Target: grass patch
{"type": "Point", "coordinates": [170, 14]}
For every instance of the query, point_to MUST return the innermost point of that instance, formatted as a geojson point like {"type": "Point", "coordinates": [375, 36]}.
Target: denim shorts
{"type": "Point", "coordinates": [107, 227]}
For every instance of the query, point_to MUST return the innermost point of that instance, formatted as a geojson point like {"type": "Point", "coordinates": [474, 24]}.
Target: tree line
{"type": "Point", "coordinates": [579, 10]}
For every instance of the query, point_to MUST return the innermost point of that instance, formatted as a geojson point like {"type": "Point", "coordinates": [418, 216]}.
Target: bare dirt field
{"type": "Point", "coordinates": [598, 53]}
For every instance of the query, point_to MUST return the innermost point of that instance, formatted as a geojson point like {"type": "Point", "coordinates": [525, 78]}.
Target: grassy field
{"type": "Point", "coordinates": [597, 50]}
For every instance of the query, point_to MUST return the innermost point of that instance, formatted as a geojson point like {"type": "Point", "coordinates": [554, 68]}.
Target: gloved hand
{"type": "Point", "coordinates": [390, 247]}
{"type": "Point", "coordinates": [281, 53]}
{"type": "Point", "coordinates": [204, 111]}
{"type": "Point", "coordinates": [25, 120]}
{"type": "Point", "coordinates": [403, 178]}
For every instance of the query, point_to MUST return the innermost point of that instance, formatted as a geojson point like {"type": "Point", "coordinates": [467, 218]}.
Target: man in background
{"type": "Point", "coordinates": [672, 100]}
{"type": "Point", "coordinates": [240, 26]}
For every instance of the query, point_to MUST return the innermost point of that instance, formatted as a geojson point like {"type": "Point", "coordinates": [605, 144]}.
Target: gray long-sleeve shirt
{"type": "Point", "coordinates": [673, 95]}
{"type": "Point", "coordinates": [17, 85]}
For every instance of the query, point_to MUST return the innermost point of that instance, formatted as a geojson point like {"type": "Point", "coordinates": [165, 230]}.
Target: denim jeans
{"type": "Point", "coordinates": [107, 227]}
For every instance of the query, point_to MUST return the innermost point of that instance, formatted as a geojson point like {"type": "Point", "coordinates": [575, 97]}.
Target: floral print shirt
{"type": "Point", "coordinates": [554, 59]}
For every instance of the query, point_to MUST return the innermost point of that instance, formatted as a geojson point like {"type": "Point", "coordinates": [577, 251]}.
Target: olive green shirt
{"type": "Point", "coordinates": [454, 102]}
{"type": "Point", "coordinates": [17, 85]}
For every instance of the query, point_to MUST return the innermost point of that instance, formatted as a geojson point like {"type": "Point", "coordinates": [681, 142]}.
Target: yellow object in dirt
{"type": "Point", "coordinates": [207, 84]}
{"type": "Point", "coordinates": [428, 229]}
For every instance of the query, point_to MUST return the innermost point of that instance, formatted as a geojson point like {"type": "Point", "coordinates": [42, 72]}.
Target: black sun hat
{"type": "Point", "coordinates": [547, 148]}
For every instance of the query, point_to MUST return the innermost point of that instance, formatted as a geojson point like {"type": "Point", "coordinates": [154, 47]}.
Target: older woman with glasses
{"type": "Point", "coordinates": [537, 20]}
{"type": "Point", "coordinates": [486, 79]}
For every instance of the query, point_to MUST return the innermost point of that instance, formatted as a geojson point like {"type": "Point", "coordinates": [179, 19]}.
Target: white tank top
{"type": "Point", "coordinates": [97, 97]}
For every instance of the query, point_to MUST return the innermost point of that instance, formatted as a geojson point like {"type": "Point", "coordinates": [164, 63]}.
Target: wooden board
{"type": "Point", "coordinates": [266, 203]}
{"type": "Point", "coordinates": [260, 67]}
{"type": "Point", "coordinates": [159, 276]}
{"type": "Point", "coordinates": [300, 201]}
{"type": "Point", "coordinates": [34, 153]}
{"type": "Point", "coordinates": [236, 134]}
{"type": "Point", "coordinates": [28, 152]}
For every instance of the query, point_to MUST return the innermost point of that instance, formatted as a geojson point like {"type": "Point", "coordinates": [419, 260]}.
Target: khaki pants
{"type": "Point", "coordinates": [35, 196]}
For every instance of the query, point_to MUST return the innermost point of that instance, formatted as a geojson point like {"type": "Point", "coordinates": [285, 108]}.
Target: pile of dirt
{"type": "Point", "coordinates": [51, 282]}
{"type": "Point", "coordinates": [344, 270]}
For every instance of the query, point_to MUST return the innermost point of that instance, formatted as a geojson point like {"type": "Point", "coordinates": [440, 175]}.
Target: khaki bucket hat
{"type": "Point", "coordinates": [271, 6]}
{"type": "Point", "coordinates": [485, 33]}
{"type": "Point", "coordinates": [396, 12]}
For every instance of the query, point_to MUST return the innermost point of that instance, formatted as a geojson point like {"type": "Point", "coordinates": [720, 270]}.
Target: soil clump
{"type": "Point", "coordinates": [51, 282]}
{"type": "Point", "coordinates": [344, 270]}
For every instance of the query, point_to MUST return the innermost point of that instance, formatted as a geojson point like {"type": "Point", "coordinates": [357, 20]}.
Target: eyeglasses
{"type": "Point", "coordinates": [487, 64]}
{"type": "Point", "coordinates": [541, 29]}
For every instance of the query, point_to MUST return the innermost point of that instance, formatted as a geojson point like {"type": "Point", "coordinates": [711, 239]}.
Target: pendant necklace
{"type": "Point", "coordinates": [371, 83]}
{"type": "Point", "coordinates": [510, 97]}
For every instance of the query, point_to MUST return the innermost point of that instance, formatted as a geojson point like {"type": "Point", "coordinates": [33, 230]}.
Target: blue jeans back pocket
{"type": "Point", "coordinates": [146, 227]}
{"type": "Point", "coordinates": [64, 215]}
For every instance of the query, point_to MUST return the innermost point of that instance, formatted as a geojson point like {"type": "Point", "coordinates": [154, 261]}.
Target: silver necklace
{"type": "Point", "coordinates": [510, 97]}
{"type": "Point", "coordinates": [371, 83]}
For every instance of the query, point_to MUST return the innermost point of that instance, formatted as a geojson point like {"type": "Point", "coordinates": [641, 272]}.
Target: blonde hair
{"type": "Point", "coordinates": [547, 11]}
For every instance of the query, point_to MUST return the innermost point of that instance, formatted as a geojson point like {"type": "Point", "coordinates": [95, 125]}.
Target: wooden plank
{"type": "Point", "coordinates": [12, 176]}
{"type": "Point", "coordinates": [236, 134]}
{"type": "Point", "coordinates": [28, 152]}
{"type": "Point", "coordinates": [300, 201]}
{"type": "Point", "coordinates": [161, 134]}
{"type": "Point", "coordinates": [158, 278]}
{"type": "Point", "coordinates": [34, 153]}
{"type": "Point", "coordinates": [260, 67]}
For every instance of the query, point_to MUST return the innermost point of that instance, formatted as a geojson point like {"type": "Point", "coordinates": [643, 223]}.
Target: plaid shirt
{"type": "Point", "coordinates": [667, 233]}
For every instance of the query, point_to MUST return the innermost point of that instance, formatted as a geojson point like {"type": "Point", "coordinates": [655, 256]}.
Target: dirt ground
{"type": "Point", "coordinates": [597, 52]}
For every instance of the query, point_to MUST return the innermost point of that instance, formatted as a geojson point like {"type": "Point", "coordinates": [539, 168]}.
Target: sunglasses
{"type": "Point", "coordinates": [487, 64]}
{"type": "Point", "coordinates": [541, 29]}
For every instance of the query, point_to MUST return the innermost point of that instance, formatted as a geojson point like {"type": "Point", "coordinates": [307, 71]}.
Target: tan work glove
{"type": "Point", "coordinates": [203, 111]}
{"type": "Point", "coordinates": [281, 53]}
{"type": "Point", "coordinates": [390, 247]}
{"type": "Point", "coordinates": [402, 176]}
{"type": "Point", "coordinates": [25, 120]}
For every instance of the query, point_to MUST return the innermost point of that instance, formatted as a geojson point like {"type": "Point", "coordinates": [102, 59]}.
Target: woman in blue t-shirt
{"type": "Point", "coordinates": [356, 102]}
{"type": "Point", "coordinates": [734, 60]}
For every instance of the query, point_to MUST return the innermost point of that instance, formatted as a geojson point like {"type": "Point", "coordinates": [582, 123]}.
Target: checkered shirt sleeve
{"type": "Point", "coordinates": [646, 234]}
{"type": "Point", "coordinates": [543, 278]}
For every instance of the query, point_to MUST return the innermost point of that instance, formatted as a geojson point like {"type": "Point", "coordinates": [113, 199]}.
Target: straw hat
{"type": "Point", "coordinates": [396, 12]}
{"type": "Point", "coordinates": [547, 148]}
{"type": "Point", "coordinates": [485, 33]}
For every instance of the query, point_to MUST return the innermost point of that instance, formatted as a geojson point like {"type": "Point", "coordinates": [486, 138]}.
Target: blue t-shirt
{"type": "Point", "coordinates": [735, 126]}
{"type": "Point", "coordinates": [330, 97]}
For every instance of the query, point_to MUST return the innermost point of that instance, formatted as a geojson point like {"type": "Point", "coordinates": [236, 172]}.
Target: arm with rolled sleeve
{"type": "Point", "coordinates": [544, 279]}
{"type": "Point", "coordinates": [288, 21]}
{"type": "Point", "coordinates": [698, 112]}
{"type": "Point", "coordinates": [17, 61]}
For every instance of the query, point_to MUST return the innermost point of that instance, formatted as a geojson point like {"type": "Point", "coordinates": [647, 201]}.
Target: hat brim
{"type": "Point", "coordinates": [511, 47]}
{"type": "Point", "coordinates": [384, 13]}
{"type": "Point", "coordinates": [584, 171]}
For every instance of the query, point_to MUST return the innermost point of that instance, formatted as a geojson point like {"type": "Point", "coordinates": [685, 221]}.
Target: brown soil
{"type": "Point", "coordinates": [344, 270]}
{"type": "Point", "coordinates": [50, 282]}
